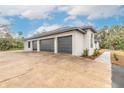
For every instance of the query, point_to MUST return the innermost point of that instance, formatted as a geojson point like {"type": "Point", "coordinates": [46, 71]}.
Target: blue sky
{"type": "Point", "coordinates": [34, 19]}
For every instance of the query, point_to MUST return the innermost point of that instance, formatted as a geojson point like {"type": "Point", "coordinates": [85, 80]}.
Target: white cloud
{"type": "Point", "coordinates": [93, 12]}
{"type": "Point", "coordinates": [47, 27]}
{"type": "Point", "coordinates": [4, 21]}
{"type": "Point", "coordinates": [38, 12]}
{"type": "Point", "coordinates": [78, 22]}
{"type": "Point", "coordinates": [30, 12]}
{"type": "Point", "coordinates": [70, 18]}
{"type": "Point", "coordinates": [44, 28]}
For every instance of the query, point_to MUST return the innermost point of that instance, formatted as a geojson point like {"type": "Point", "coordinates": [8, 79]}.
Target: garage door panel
{"type": "Point", "coordinates": [65, 44]}
{"type": "Point", "coordinates": [47, 45]}
{"type": "Point", "coordinates": [34, 45]}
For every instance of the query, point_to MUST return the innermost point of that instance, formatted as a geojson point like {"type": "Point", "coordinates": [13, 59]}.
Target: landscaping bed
{"type": "Point", "coordinates": [95, 54]}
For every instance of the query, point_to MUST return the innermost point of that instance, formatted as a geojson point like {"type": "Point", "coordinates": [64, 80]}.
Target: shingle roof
{"type": "Point", "coordinates": [62, 30]}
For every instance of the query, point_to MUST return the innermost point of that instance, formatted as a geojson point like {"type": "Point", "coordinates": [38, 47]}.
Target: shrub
{"type": "Point", "coordinates": [5, 44]}
{"type": "Point", "coordinates": [10, 44]}
{"type": "Point", "coordinates": [17, 43]}
{"type": "Point", "coordinates": [85, 52]}
{"type": "Point", "coordinates": [115, 57]}
{"type": "Point", "coordinates": [96, 52]}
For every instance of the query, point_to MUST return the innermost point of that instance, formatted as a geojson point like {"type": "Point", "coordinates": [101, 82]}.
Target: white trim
{"type": "Point", "coordinates": [55, 45]}
{"type": "Point", "coordinates": [38, 45]}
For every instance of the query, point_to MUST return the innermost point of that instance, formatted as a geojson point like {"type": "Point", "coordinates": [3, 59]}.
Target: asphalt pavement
{"type": "Point", "coordinates": [117, 76]}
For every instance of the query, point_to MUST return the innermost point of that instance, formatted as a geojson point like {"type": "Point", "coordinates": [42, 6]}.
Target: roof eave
{"type": "Point", "coordinates": [92, 29]}
{"type": "Point", "coordinates": [81, 30]}
{"type": "Point", "coordinates": [72, 29]}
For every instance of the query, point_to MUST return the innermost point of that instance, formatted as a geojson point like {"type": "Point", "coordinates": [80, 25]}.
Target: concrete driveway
{"type": "Point", "coordinates": [117, 76]}
{"type": "Point", "coordinates": [104, 57]}
{"type": "Point", "coordinates": [20, 69]}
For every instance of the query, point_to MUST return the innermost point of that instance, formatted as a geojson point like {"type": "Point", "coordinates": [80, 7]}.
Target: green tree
{"type": "Point", "coordinates": [5, 44]}
{"type": "Point", "coordinates": [112, 37]}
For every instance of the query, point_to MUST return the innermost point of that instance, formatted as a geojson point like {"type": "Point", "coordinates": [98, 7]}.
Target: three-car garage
{"type": "Point", "coordinates": [72, 40]}
{"type": "Point", "coordinates": [64, 44]}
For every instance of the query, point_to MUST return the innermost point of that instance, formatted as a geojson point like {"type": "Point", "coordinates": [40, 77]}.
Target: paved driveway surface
{"type": "Point", "coordinates": [104, 57]}
{"type": "Point", "coordinates": [20, 69]}
{"type": "Point", "coordinates": [117, 76]}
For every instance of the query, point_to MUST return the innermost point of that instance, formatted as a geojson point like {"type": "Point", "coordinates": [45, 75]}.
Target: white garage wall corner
{"type": "Point", "coordinates": [73, 44]}
{"type": "Point", "coordinates": [38, 45]}
{"type": "Point", "coordinates": [81, 42]}
{"type": "Point", "coordinates": [78, 43]}
{"type": "Point", "coordinates": [55, 45]}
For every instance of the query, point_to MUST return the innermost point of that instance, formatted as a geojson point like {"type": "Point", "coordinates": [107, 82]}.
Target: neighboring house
{"type": "Point", "coordinates": [71, 40]}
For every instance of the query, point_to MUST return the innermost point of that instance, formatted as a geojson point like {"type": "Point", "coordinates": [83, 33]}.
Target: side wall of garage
{"type": "Point", "coordinates": [78, 43]}
{"type": "Point", "coordinates": [83, 41]}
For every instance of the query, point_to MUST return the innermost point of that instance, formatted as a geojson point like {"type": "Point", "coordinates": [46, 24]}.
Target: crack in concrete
{"type": "Point", "coordinates": [16, 76]}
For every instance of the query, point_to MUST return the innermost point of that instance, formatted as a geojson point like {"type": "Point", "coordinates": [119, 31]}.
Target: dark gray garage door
{"type": "Point", "coordinates": [34, 45]}
{"type": "Point", "coordinates": [47, 45]}
{"type": "Point", "coordinates": [65, 44]}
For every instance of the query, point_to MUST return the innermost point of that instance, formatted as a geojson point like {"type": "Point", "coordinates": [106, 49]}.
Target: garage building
{"type": "Point", "coordinates": [72, 40]}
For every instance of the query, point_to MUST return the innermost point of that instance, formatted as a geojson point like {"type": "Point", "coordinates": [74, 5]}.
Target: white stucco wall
{"type": "Point", "coordinates": [83, 41]}
{"type": "Point", "coordinates": [79, 42]}
{"type": "Point", "coordinates": [55, 45]}
{"type": "Point", "coordinates": [26, 45]}
{"type": "Point", "coordinates": [38, 45]}
{"type": "Point", "coordinates": [87, 42]}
